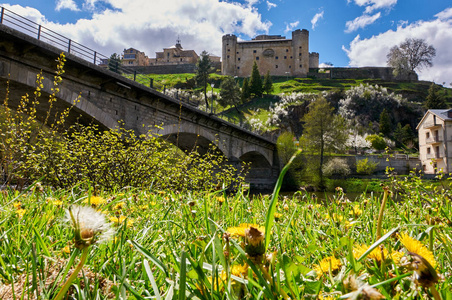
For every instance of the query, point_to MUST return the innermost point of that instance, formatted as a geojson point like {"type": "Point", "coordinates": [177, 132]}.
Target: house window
{"type": "Point", "coordinates": [254, 51]}
{"type": "Point", "coordinates": [428, 150]}
{"type": "Point", "coordinates": [229, 50]}
{"type": "Point", "coordinates": [285, 57]}
{"type": "Point", "coordinates": [287, 50]}
{"type": "Point", "coordinates": [301, 66]}
{"type": "Point", "coordinates": [238, 68]}
{"type": "Point", "coordinates": [299, 54]}
{"type": "Point", "coordinates": [276, 66]}
{"type": "Point", "coordinates": [437, 151]}
{"type": "Point", "coordinates": [228, 56]}
{"type": "Point", "coordinates": [291, 57]}
{"type": "Point", "coordinates": [427, 135]}
{"type": "Point", "coordinates": [238, 59]}
{"type": "Point", "coordinates": [290, 67]}
{"type": "Point", "coordinates": [237, 52]}
{"type": "Point", "coordinates": [276, 57]}
{"type": "Point", "coordinates": [257, 57]}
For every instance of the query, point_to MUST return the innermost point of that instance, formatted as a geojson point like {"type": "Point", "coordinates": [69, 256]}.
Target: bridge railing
{"type": "Point", "coordinates": [33, 29]}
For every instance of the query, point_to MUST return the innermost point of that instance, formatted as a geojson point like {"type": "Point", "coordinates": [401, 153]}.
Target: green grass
{"type": "Point", "coordinates": [161, 228]}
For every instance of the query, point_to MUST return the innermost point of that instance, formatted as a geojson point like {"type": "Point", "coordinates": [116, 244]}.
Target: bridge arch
{"type": "Point", "coordinates": [188, 136]}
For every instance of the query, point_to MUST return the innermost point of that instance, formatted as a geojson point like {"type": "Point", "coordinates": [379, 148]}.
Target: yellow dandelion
{"type": "Point", "coordinates": [220, 199]}
{"type": "Point", "coordinates": [95, 200]}
{"type": "Point", "coordinates": [120, 220]}
{"type": "Point", "coordinates": [277, 216]}
{"type": "Point", "coordinates": [66, 249]}
{"type": "Point", "coordinates": [240, 270]}
{"type": "Point", "coordinates": [286, 207]}
{"type": "Point", "coordinates": [356, 210]}
{"type": "Point", "coordinates": [20, 212]}
{"type": "Point", "coordinates": [416, 247]}
{"type": "Point", "coordinates": [326, 264]}
{"type": "Point", "coordinates": [119, 206]}
{"type": "Point", "coordinates": [240, 230]}
{"type": "Point", "coordinates": [56, 202]}
{"type": "Point", "coordinates": [359, 250]}
{"type": "Point", "coordinates": [17, 205]}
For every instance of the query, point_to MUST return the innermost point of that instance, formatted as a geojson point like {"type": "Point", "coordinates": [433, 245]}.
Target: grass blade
{"type": "Point", "coordinates": [151, 278]}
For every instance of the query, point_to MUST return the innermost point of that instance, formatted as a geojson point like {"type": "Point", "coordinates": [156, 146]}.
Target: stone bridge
{"type": "Point", "coordinates": [107, 98]}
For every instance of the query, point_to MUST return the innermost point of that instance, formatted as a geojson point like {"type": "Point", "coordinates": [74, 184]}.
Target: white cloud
{"type": "Point", "coordinates": [445, 14]}
{"type": "Point", "coordinates": [151, 26]}
{"type": "Point", "coordinates": [271, 5]}
{"type": "Point", "coordinates": [438, 32]}
{"type": "Point", "coordinates": [372, 5]}
{"type": "Point", "coordinates": [316, 18]}
{"type": "Point", "coordinates": [291, 26]}
{"type": "Point", "coordinates": [361, 22]}
{"type": "Point", "coordinates": [66, 4]}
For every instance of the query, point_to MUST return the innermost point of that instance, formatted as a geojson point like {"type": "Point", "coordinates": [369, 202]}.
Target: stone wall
{"type": "Point", "coordinates": [402, 166]}
{"type": "Point", "coordinates": [384, 73]}
{"type": "Point", "coordinates": [171, 69]}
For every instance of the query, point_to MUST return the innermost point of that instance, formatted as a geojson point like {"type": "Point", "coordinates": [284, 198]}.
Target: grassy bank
{"type": "Point", "coordinates": [171, 245]}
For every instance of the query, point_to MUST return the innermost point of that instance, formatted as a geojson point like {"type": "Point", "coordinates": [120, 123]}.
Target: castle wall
{"type": "Point", "coordinates": [277, 55]}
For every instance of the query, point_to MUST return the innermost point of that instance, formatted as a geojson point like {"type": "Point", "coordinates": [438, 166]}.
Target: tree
{"type": "Point", "coordinates": [268, 84]}
{"type": "Point", "coordinates": [385, 123]}
{"type": "Point", "coordinates": [410, 55]}
{"type": "Point", "coordinates": [229, 92]}
{"type": "Point", "coordinates": [434, 99]}
{"type": "Point", "coordinates": [256, 88]}
{"type": "Point", "coordinates": [377, 141]}
{"type": "Point", "coordinates": [114, 63]}
{"type": "Point", "coordinates": [203, 70]}
{"type": "Point", "coordinates": [245, 90]}
{"type": "Point", "coordinates": [322, 131]}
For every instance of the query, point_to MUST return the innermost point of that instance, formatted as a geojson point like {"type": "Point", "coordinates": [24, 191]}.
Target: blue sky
{"type": "Point", "coordinates": [344, 32]}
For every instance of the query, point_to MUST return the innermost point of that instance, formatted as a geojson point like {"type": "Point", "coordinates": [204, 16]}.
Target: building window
{"type": "Point", "coordinates": [287, 50]}
{"type": "Point", "coordinates": [229, 50]}
{"type": "Point", "coordinates": [291, 57]}
{"type": "Point", "coordinates": [276, 67]}
{"type": "Point", "coordinates": [301, 66]}
{"type": "Point", "coordinates": [299, 47]}
{"type": "Point", "coordinates": [428, 150]}
{"type": "Point", "coordinates": [237, 52]}
{"type": "Point", "coordinates": [254, 51]}
{"type": "Point", "coordinates": [257, 57]}
{"type": "Point", "coordinates": [285, 57]}
{"type": "Point", "coordinates": [276, 57]}
{"type": "Point", "coordinates": [427, 135]}
{"type": "Point", "coordinates": [299, 54]}
{"type": "Point", "coordinates": [238, 68]}
{"type": "Point", "coordinates": [290, 67]}
{"type": "Point", "coordinates": [228, 56]}
{"type": "Point", "coordinates": [238, 59]}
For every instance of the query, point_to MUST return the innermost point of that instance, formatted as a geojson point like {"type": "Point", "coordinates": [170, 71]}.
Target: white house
{"type": "Point", "coordinates": [435, 141]}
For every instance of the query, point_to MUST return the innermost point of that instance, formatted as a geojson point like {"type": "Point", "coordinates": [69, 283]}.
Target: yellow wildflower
{"type": "Point", "coordinates": [240, 270]}
{"type": "Point", "coordinates": [328, 263]}
{"type": "Point", "coordinates": [220, 199]}
{"type": "Point", "coordinates": [119, 220]}
{"type": "Point", "coordinates": [119, 206]}
{"type": "Point", "coordinates": [95, 200]}
{"type": "Point", "coordinates": [66, 249]}
{"type": "Point", "coordinates": [286, 207]}
{"type": "Point", "coordinates": [57, 202]}
{"type": "Point", "coordinates": [417, 247]}
{"type": "Point", "coordinates": [240, 230]}
{"type": "Point", "coordinates": [17, 205]}
{"type": "Point", "coordinates": [20, 212]}
{"type": "Point", "coordinates": [277, 216]}
{"type": "Point", "coordinates": [356, 210]}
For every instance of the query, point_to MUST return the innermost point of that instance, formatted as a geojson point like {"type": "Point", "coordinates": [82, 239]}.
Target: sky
{"type": "Point", "coordinates": [346, 33]}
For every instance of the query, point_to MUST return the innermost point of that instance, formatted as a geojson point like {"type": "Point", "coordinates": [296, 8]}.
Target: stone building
{"type": "Point", "coordinates": [435, 141]}
{"type": "Point", "coordinates": [174, 55]}
{"type": "Point", "coordinates": [274, 53]}
{"type": "Point", "coordinates": [134, 57]}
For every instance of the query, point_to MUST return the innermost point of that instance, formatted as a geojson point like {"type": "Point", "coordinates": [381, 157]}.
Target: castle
{"type": "Point", "coordinates": [273, 53]}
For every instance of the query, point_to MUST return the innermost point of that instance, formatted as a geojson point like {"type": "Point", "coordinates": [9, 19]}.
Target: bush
{"type": "Point", "coordinates": [111, 159]}
{"type": "Point", "coordinates": [364, 166]}
{"type": "Point", "coordinates": [377, 141]}
{"type": "Point", "coordinates": [336, 166]}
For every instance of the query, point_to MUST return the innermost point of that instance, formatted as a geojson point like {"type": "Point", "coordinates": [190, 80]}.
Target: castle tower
{"type": "Point", "coordinates": [300, 48]}
{"type": "Point", "coordinates": [228, 66]}
{"type": "Point", "coordinates": [313, 60]}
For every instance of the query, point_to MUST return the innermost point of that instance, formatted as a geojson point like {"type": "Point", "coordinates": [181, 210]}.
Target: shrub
{"type": "Point", "coordinates": [364, 166]}
{"type": "Point", "coordinates": [377, 141]}
{"type": "Point", "coordinates": [110, 160]}
{"type": "Point", "coordinates": [336, 166]}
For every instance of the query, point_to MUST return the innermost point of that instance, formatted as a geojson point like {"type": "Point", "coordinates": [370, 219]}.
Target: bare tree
{"type": "Point", "coordinates": [410, 55]}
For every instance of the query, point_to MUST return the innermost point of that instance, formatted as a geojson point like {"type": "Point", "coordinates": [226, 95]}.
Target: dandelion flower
{"type": "Point", "coordinates": [277, 216]}
{"type": "Point", "coordinates": [254, 242]}
{"type": "Point", "coordinates": [119, 220]}
{"type": "Point", "coordinates": [17, 205]}
{"type": "Point", "coordinates": [240, 270]}
{"type": "Point", "coordinates": [89, 226]}
{"type": "Point", "coordinates": [240, 230]}
{"type": "Point", "coordinates": [328, 263]}
{"type": "Point", "coordinates": [119, 206]}
{"type": "Point", "coordinates": [95, 200]}
{"type": "Point", "coordinates": [21, 212]}
{"type": "Point", "coordinates": [418, 248]}
{"type": "Point", "coordinates": [220, 199]}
